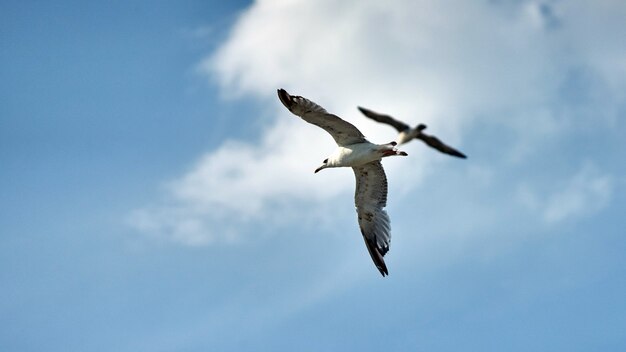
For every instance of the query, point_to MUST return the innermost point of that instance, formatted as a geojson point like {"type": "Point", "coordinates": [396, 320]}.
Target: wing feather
{"type": "Point", "coordinates": [370, 197]}
{"type": "Point", "coordinates": [434, 142]}
{"type": "Point", "coordinates": [382, 118]}
{"type": "Point", "coordinates": [343, 132]}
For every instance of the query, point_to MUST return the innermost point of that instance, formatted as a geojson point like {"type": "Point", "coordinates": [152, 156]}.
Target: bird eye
{"type": "Point", "coordinates": [325, 161]}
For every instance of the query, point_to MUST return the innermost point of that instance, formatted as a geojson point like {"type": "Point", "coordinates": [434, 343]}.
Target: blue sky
{"type": "Point", "coordinates": [157, 197]}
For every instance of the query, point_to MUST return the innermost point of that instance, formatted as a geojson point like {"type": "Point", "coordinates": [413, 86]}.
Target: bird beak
{"type": "Point", "coordinates": [319, 168]}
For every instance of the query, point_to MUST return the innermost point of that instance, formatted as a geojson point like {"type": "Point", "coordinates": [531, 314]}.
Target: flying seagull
{"type": "Point", "coordinates": [370, 196]}
{"type": "Point", "coordinates": [407, 133]}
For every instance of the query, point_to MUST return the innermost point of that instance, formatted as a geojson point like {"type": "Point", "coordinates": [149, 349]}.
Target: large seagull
{"type": "Point", "coordinates": [406, 133]}
{"type": "Point", "coordinates": [370, 196]}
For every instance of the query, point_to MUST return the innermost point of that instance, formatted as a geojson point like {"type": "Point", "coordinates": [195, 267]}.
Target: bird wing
{"type": "Point", "coordinates": [370, 197]}
{"type": "Point", "coordinates": [398, 125]}
{"type": "Point", "coordinates": [343, 132]}
{"type": "Point", "coordinates": [439, 145]}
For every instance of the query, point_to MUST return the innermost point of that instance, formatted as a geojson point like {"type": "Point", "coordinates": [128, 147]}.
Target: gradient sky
{"type": "Point", "coordinates": [156, 196]}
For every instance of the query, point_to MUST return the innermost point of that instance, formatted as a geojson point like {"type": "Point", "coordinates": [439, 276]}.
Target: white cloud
{"type": "Point", "coordinates": [444, 63]}
{"type": "Point", "coordinates": [585, 193]}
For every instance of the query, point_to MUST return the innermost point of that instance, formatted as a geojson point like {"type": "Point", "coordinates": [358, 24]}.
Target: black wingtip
{"type": "Point", "coordinates": [458, 154]}
{"type": "Point", "coordinates": [366, 112]}
{"type": "Point", "coordinates": [285, 98]}
{"type": "Point", "coordinates": [377, 257]}
{"type": "Point", "coordinates": [383, 271]}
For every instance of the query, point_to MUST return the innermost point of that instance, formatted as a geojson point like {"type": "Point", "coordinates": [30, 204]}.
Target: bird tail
{"type": "Point", "coordinates": [390, 149]}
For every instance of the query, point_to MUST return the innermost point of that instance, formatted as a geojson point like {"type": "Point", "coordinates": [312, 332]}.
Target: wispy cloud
{"type": "Point", "coordinates": [586, 192]}
{"type": "Point", "coordinates": [445, 63]}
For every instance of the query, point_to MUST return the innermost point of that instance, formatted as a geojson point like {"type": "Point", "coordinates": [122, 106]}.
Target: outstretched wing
{"type": "Point", "coordinates": [398, 125]}
{"type": "Point", "coordinates": [439, 145]}
{"type": "Point", "coordinates": [343, 132]}
{"type": "Point", "coordinates": [370, 197]}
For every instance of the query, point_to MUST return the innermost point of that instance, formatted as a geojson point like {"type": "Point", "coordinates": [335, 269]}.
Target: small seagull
{"type": "Point", "coordinates": [370, 196]}
{"type": "Point", "coordinates": [407, 133]}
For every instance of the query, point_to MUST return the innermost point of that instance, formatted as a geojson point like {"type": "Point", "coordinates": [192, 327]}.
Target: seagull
{"type": "Point", "coordinates": [370, 196]}
{"type": "Point", "coordinates": [407, 133]}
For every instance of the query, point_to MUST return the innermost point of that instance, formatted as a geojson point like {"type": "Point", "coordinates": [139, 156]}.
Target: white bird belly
{"type": "Point", "coordinates": [356, 155]}
{"type": "Point", "coordinates": [405, 136]}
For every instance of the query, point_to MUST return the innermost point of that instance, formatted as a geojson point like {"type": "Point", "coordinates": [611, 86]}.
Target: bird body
{"type": "Point", "coordinates": [360, 153]}
{"type": "Point", "coordinates": [407, 134]}
{"type": "Point", "coordinates": [355, 151]}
